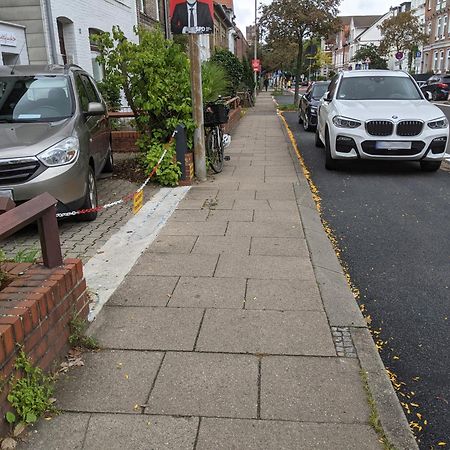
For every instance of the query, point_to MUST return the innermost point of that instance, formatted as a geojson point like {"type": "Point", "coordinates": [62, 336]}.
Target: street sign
{"type": "Point", "coordinates": [399, 55]}
{"type": "Point", "coordinates": [418, 54]}
{"type": "Point", "coordinates": [256, 65]}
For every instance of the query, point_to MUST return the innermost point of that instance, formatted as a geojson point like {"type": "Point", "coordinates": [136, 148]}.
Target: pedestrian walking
{"type": "Point", "coordinates": [266, 84]}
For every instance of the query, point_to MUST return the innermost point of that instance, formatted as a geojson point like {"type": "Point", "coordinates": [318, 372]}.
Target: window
{"type": "Point", "coordinates": [435, 63]}
{"type": "Point", "coordinates": [97, 68]}
{"type": "Point", "coordinates": [439, 28]}
{"type": "Point", "coordinates": [90, 89]}
{"type": "Point", "coordinates": [377, 88]}
{"type": "Point", "coordinates": [430, 28]}
{"type": "Point", "coordinates": [82, 95]}
{"type": "Point", "coordinates": [447, 63]}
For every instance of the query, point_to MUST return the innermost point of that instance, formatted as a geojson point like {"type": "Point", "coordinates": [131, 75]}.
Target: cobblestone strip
{"type": "Point", "coordinates": [343, 342]}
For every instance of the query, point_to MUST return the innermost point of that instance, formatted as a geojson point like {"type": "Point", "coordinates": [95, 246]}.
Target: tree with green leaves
{"type": "Point", "coordinates": [232, 66]}
{"type": "Point", "coordinates": [371, 52]}
{"type": "Point", "coordinates": [402, 32]}
{"type": "Point", "coordinates": [296, 21]}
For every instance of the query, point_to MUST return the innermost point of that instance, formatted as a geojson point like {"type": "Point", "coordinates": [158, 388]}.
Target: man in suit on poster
{"type": "Point", "coordinates": [192, 16]}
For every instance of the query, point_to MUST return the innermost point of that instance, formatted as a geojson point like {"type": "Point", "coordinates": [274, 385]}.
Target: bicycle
{"type": "Point", "coordinates": [215, 115]}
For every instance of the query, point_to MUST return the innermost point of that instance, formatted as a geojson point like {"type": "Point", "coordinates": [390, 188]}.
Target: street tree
{"type": "Point", "coordinates": [370, 52]}
{"type": "Point", "coordinates": [296, 21]}
{"type": "Point", "coordinates": [402, 33]}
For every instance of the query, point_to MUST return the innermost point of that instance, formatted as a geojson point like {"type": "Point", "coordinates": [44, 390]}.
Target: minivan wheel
{"type": "Point", "coordinates": [306, 125]}
{"type": "Point", "coordinates": [91, 199]}
{"type": "Point", "coordinates": [109, 164]}
{"type": "Point", "coordinates": [330, 163]}
{"type": "Point", "coordinates": [430, 166]}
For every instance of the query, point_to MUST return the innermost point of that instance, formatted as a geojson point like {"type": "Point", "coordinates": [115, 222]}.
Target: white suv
{"type": "Point", "coordinates": [380, 114]}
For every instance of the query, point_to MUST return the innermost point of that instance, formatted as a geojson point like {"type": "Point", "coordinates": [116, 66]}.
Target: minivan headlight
{"type": "Point", "coordinates": [439, 123]}
{"type": "Point", "coordinates": [344, 122]}
{"type": "Point", "coordinates": [64, 152]}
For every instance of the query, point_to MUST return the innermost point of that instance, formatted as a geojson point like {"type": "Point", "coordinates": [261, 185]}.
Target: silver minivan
{"type": "Point", "coordinates": [54, 135]}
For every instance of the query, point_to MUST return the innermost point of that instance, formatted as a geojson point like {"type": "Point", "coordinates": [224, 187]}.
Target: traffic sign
{"type": "Point", "coordinates": [256, 65]}
{"type": "Point", "coordinates": [418, 54]}
{"type": "Point", "coordinates": [399, 55]}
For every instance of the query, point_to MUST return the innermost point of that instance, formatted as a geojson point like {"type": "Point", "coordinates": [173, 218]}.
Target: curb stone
{"type": "Point", "coordinates": [343, 311]}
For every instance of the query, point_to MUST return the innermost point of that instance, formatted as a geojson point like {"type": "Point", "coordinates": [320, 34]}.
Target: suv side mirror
{"type": "Point", "coordinates": [96, 109]}
{"type": "Point", "coordinates": [328, 97]}
{"type": "Point", "coordinates": [428, 96]}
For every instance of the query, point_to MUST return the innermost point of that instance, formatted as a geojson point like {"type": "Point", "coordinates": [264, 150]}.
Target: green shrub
{"type": "Point", "coordinates": [215, 81]}
{"type": "Point", "coordinates": [232, 66]}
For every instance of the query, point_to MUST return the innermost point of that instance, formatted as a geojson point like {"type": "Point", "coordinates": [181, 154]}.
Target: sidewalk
{"type": "Point", "coordinates": [226, 333]}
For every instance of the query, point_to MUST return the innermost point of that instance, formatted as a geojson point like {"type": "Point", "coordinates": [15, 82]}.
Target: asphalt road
{"type": "Point", "coordinates": [393, 225]}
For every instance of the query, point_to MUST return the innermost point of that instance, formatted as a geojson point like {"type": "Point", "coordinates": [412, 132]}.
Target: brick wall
{"type": "Point", "coordinates": [124, 141]}
{"type": "Point", "coordinates": [35, 311]}
{"type": "Point", "coordinates": [233, 120]}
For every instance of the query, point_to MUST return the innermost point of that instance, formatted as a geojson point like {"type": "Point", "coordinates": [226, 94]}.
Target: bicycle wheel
{"type": "Point", "coordinates": [214, 149]}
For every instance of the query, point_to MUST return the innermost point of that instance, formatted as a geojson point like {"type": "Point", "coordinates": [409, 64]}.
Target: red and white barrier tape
{"type": "Point", "coordinates": [123, 200]}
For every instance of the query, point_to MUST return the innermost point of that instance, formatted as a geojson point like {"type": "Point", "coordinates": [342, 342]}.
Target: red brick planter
{"type": "Point", "coordinates": [35, 312]}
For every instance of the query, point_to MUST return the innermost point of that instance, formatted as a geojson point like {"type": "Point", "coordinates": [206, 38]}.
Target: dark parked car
{"type": "Point", "coordinates": [438, 86]}
{"type": "Point", "coordinates": [307, 107]}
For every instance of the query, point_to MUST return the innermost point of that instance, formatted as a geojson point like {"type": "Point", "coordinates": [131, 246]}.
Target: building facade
{"type": "Point", "coordinates": [60, 31]}
{"type": "Point", "coordinates": [13, 48]}
{"type": "Point", "coordinates": [436, 54]}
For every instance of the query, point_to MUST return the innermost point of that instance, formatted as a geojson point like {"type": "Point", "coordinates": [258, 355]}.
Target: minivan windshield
{"type": "Point", "coordinates": [319, 90]}
{"type": "Point", "coordinates": [378, 88]}
{"type": "Point", "coordinates": [35, 98]}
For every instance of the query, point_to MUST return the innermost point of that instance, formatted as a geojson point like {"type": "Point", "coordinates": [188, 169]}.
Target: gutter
{"type": "Point", "coordinates": [51, 30]}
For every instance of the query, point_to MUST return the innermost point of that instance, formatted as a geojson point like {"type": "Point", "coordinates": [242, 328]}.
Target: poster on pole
{"type": "Point", "coordinates": [191, 16]}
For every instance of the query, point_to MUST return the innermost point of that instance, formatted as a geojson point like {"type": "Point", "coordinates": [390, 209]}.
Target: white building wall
{"type": "Point", "coordinates": [13, 48]}
{"type": "Point", "coordinates": [82, 15]}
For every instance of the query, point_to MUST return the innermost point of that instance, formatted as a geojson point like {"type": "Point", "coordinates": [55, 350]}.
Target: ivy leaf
{"type": "Point", "coordinates": [10, 417]}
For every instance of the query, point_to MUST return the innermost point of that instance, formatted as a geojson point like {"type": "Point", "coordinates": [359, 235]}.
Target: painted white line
{"type": "Point", "coordinates": [105, 271]}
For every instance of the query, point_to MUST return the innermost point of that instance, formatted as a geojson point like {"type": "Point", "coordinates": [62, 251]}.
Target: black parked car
{"type": "Point", "coordinates": [307, 107]}
{"type": "Point", "coordinates": [439, 86]}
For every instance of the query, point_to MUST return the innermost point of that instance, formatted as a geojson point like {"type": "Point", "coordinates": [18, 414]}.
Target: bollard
{"type": "Point", "coordinates": [181, 147]}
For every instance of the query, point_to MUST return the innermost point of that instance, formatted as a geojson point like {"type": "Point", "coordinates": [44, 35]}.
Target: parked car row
{"type": "Point", "coordinates": [377, 115]}
{"type": "Point", "coordinates": [54, 135]}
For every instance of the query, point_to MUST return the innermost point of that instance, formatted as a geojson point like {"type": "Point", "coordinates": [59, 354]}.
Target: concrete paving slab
{"type": "Point", "coordinates": [191, 204]}
{"type": "Point", "coordinates": [267, 332]}
{"type": "Point", "coordinates": [283, 205]}
{"type": "Point", "coordinates": [202, 194]}
{"type": "Point", "coordinates": [277, 216]}
{"type": "Point", "coordinates": [200, 292]}
{"type": "Point", "coordinates": [283, 295]}
{"type": "Point", "coordinates": [340, 305]}
{"type": "Point", "coordinates": [175, 265]}
{"type": "Point", "coordinates": [186, 215]}
{"type": "Point", "coordinates": [237, 195]}
{"type": "Point", "coordinates": [110, 381]}
{"type": "Point", "coordinates": [149, 328]}
{"type": "Point", "coordinates": [62, 432]}
{"type": "Point", "coordinates": [143, 291]}
{"type": "Point", "coordinates": [265, 229]}
{"type": "Point", "coordinates": [279, 247]}
{"type": "Point", "coordinates": [284, 194]}
{"type": "Point", "coordinates": [120, 432]}
{"type": "Point", "coordinates": [288, 179]}
{"type": "Point", "coordinates": [273, 267]}
{"type": "Point", "coordinates": [313, 390]}
{"type": "Point", "coordinates": [273, 435]}
{"type": "Point", "coordinates": [172, 244]}
{"type": "Point", "coordinates": [194, 229]}
{"type": "Point", "coordinates": [201, 384]}
{"type": "Point", "coordinates": [213, 245]}
{"type": "Point", "coordinates": [252, 204]}
{"type": "Point", "coordinates": [231, 216]}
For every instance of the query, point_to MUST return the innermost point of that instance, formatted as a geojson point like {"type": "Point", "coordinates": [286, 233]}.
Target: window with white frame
{"type": "Point", "coordinates": [447, 62]}
{"type": "Point", "coordinates": [439, 28]}
{"type": "Point", "coordinates": [435, 61]}
{"type": "Point", "coordinates": [444, 28]}
{"type": "Point", "coordinates": [158, 18]}
{"type": "Point", "coordinates": [429, 28]}
{"type": "Point", "coordinates": [441, 61]}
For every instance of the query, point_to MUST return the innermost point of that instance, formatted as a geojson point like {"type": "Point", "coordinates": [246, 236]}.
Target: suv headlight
{"type": "Point", "coordinates": [64, 152]}
{"type": "Point", "coordinates": [438, 123]}
{"type": "Point", "coordinates": [344, 122]}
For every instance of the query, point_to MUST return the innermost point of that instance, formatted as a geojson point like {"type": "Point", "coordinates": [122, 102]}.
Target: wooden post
{"type": "Point", "coordinates": [197, 107]}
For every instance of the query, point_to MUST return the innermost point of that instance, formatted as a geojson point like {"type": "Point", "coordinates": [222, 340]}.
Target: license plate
{"type": "Point", "coordinates": [392, 145]}
{"type": "Point", "coordinates": [8, 193]}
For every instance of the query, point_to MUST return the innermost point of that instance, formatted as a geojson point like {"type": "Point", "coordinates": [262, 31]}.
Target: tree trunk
{"type": "Point", "coordinates": [298, 70]}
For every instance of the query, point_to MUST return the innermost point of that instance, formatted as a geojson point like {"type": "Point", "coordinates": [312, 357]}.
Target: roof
{"type": "Point", "coordinates": [227, 3]}
{"type": "Point", "coordinates": [374, 73]}
{"type": "Point", "coordinates": [345, 20]}
{"type": "Point", "coordinates": [365, 21]}
{"type": "Point", "coordinates": [30, 70]}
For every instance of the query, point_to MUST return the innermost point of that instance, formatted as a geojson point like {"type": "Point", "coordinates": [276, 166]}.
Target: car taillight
{"type": "Point", "coordinates": [442, 85]}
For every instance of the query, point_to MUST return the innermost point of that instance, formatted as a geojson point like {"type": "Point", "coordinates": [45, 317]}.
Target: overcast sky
{"type": "Point", "coordinates": [245, 9]}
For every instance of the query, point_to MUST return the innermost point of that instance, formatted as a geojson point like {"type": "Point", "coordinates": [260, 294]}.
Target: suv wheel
{"type": "Point", "coordinates": [330, 163]}
{"type": "Point", "coordinates": [306, 125]}
{"type": "Point", "coordinates": [91, 199]}
{"type": "Point", "coordinates": [318, 141]}
{"type": "Point", "coordinates": [430, 166]}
